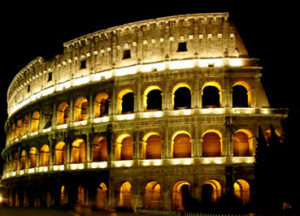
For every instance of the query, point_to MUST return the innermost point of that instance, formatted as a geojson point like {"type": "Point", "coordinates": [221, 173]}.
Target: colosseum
{"type": "Point", "coordinates": [127, 116]}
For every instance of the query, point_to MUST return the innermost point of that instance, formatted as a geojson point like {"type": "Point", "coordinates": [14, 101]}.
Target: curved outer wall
{"type": "Point", "coordinates": [81, 129]}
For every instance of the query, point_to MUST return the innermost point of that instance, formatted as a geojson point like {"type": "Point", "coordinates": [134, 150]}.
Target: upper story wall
{"type": "Point", "coordinates": [196, 36]}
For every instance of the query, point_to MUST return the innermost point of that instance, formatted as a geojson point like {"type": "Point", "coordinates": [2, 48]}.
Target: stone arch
{"type": "Point", "coordinates": [153, 195]}
{"type": "Point", "coordinates": [19, 128]}
{"type": "Point", "coordinates": [44, 155]}
{"type": "Point", "coordinates": [78, 151]}
{"type": "Point", "coordinates": [177, 195]}
{"type": "Point", "coordinates": [25, 124]}
{"type": "Point", "coordinates": [125, 101]}
{"type": "Point", "coordinates": [181, 144]}
{"type": "Point", "coordinates": [125, 196]}
{"type": "Point", "coordinates": [80, 195]}
{"type": "Point", "coordinates": [124, 147]}
{"type": "Point", "coordinates": [23, 159]}
{"type": "Point", "coordinates": [62, 113]}
{"type": "Point", "coordinates": [32, 157]}
{"type": "Point", "coordinates": [241, 189]}
{"type": "Point", "coordinates": [99, 149]}
{"type": "Point", "coordinates": [81, 109]}
{"type": "Point", "coordinates": [152, 146]}
{"type": "Point", "coordinates": [152, 98]}
{"type": "Point", "coordinates": [212, 143]}
{"type": "Point", "coordinates": [211, 191]}
{"type": "Point", "coordinates": [101, 196]}
{"type": "Point", "coordinates": [101, 103]}
{"type": "Point", "coordinates": [182, 96]}
{"type": "Point", "coordinates": [242, 143]}
{"type": "Point", "coordinates": [60, 153]}
{"type": "Point", "coordinates": [16, 160]}
{"type": "Point", "coordinates": [35, 121]}
{"type": "Point", "coordinates": [241, 94]}
{"type": "Point", "coordinates": [63, 195]}
{"type": "Point", "coordinates": [211, 95]}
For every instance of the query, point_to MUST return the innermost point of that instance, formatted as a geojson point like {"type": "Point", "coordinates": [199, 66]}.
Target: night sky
{"type": "Point", "coordinates": [269, 33]}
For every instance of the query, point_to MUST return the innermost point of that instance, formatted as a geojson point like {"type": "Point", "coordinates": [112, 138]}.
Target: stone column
{"type": "Point", "coordinates": [50, 163]}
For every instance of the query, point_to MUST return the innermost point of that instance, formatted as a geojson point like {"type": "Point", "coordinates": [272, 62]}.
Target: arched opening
{"type": "Point", "coordinates": [240, 96]}
{"type": "Point", "coordinates": [32, 157]}
{"type": "Point", "coordinates": [101, 103]}
{"type": "Point", "coordinates": [242, 143]}
{"type": "Point", "coordinates": [60, 153]}
{"type": "Point", "coordinates": [35, 121]}
{"type": "Point", "coordinates": [124, 147]}
{"type": "Point", "coordinates": [152, 148]}
{"type": "Point", "coordinates": [23, 160]}
{"type": "Point", "coordinates": [152, 98]}
{"type": "Point", "coordinates": [182, 146]}
{"type": "Point", "coordinates": [101, 196]}
{"type": "Point", "coordinates": [177, 195]}
{"type": "Point", "coordinates": [25, 124]}
{"type": "Point", "coordinates": [99, 149]}
{"type": "Point", "coordinates": [125, 102]}
{"type": "Point", "coordinates": [44, 155]}
{"type": "Point", "coordinates": [211, 97]}
{"type": "Point", "coordinates": [19, 128]}
{"type": "Point", "coordinates": [63, 113]}
{"type": "Point", "coordinates": [80, 195]}
{"type": "Point", "coordinates": [152, 196]}
{"type": "Point", "coordinates": [125, 198]}
{"type": "Point", "coordinates": [211, 191]}
{"type": "Point", "coordinates": [78, 151]}
{"type": "Point", "coordinates": [211, 145]}
{"type": "Point", "coordinates": [63, 195]}
{"type": "Point", "coordinates": [268, 134]}
{"type": "Point", "coordinates": [182, 96]}
{"type": "Point", "coordinates": [16, 161]}
{"type": "Point", "coordinates": [128, 103]}
{"type": "Point", "coordinates": [241, 189]}
{"type": "Point", "coordinates": [13, 131]}
{"type": "Point", "coordinates": [81, 109]}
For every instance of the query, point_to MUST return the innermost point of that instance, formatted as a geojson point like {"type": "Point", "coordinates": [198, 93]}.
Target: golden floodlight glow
{"type": "Point", "coordinates": [235, 62]}
{"type": "Point", "coordinates": [182, 161]}
{"type": "Point", "coordinates": [124, 163]}
{"type": "Point", "coordinates": [78, 166]}
{"type": "Point", "coordinates": [95, 165]}
{"type": "Point", "coordinates": [58, 167]}
{"type": "Point", "coordinates": [151, 162]}
{"type": "Point", "coordinates": [125, 117]}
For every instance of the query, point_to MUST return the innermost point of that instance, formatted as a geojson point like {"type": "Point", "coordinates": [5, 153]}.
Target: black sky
{"type": "Point", "coordinates": [269, 31]}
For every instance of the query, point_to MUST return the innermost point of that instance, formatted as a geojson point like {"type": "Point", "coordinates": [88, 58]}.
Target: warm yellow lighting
{"type": "Point", "coordinates": [43, 169]}
{"type": "Point", "coordinates": [182, 161]}
{"type": "Point", "coordinates": [31, 170]}
{"type": "Point", "coordinates": [102, 119]}
{"type": "Point", "coordinates": [125, 117]}
{"type": "Point", "coordinates": [62, 86]}
{"type": "Point", "coordinates": [265, 111]}
{"type": "Point", "coordinates": [77, 166]}
{"type": "Point", "coordinates": [213, 160]}
{"type": "Point", "coordinates": [235, 62]}
{"type": "Point", "coordinates": [123, 163]}
{"type": "Point", "coordinates": [153, 67]}
{"type": "Point", "coordinates": [22, 172]}
{"type": "Point", "coordinates": [47, 130]}
{"type": "Point", "coordinates": [211, 62]}
{"type": "Point", "coordinates": [243, 110]}
{"type": "Point", "coordinates": [212, 111]}
{"type": "Point", "coordinates": [183, 64]}
{"type": "Point", "coordinates": [155, 114]}
{"type": "Point", "coordinates": [47, 91]}
{"type": "Point", "coordinates": [80, 123]}
{"type": "Point", "coordinates": [81, 80]}
{"type": "Point", "coordinates": [151, 162]}
{"type": "Point", "coordinates": [126, 71]}
{"type": "Point", "coordinates": [62, 126]}
{"type": "Point", "coordinates": [1, 198]}
{"type": "Point", "coordinates": [95, 165]}
{"type": "Point", "coordinates": [58, 167]}
{"type": "Point", "coordinates": [247, 160]}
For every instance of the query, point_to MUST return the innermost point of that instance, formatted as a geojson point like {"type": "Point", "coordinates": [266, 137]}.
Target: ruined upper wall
{"type": "Point", "coordinates": [205, 36]}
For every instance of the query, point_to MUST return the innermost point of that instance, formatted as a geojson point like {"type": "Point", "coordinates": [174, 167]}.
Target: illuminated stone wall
{"type": "Point", "coordinates": [129, 115]}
